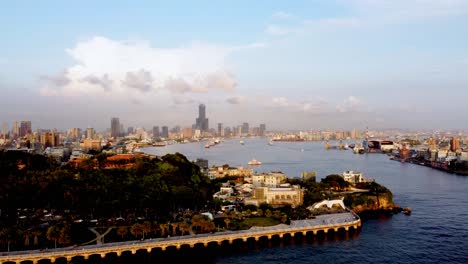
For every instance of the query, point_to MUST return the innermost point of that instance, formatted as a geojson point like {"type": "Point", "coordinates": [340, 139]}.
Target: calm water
{"type": "Point", "coordinates": [436, 231]}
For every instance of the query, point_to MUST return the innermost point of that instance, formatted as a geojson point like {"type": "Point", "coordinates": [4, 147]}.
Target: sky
{"type": "Point", "coordinates": [316, 64]}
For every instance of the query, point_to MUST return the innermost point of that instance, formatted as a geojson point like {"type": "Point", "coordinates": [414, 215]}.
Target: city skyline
{"type": "Point", "coordinates": [302, 65]}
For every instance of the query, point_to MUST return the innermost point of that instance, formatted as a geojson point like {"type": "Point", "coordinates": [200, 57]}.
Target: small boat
{"type": "Point", "coordinates": [270, 142]}
{"type": "Point", "coordinates": [254, 162]}
{"type": "Point", "coordinates": [241, 142]}
{"type": "Point", "coordinates": [407, 211]}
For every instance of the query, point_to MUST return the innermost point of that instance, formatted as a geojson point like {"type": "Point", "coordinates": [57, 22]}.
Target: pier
{"type": "Point", "coordinates": [322, 223]}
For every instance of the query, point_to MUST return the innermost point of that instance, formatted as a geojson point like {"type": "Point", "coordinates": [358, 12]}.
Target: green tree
{"type": "Point", "coordinates": [53, 234]}
{"type": "Point", "coordinates": [136, 230]}
{"type": "Point", "coordinates": [122, 231]}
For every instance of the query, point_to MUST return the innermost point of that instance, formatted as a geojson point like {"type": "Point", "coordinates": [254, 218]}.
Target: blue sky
{"type": "Point", "coordinates": [290, 64]}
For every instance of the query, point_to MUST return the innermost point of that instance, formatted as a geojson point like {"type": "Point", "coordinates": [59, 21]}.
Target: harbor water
{"type": "Point", "coordinates": [435, 232]}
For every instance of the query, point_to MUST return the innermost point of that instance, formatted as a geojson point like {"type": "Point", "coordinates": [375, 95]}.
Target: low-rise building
{"type": "Point", "coordinates": [278, 196]}
{"type": "Point", "coordinates": [353, 177]}
{"type": "Point", "coordinates": [226, 171]}
{"type": "Point", "coordinates": [271, 179]}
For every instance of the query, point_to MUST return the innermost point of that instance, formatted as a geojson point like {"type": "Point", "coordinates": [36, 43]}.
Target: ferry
{"type": "Point", "coordinates": [254, 162]}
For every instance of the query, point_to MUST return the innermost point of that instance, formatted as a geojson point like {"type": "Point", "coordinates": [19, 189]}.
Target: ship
{"type": "Point", "coordinates": [254, 162]}
{"type": "Point", "coordinates": [159, 144]}
{"type": "Point", "coordinates": [241, 142]}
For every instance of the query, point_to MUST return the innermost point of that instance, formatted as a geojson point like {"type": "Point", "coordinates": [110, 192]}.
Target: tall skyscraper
{"type": "Point", "coordinates": [262, 129]}
{"type": "Point", "coordinates": [165, 132]}
{"type": "Point", "coordinates": [89, 133]}
{"type": "Point", "coordinates": [202, 122]}
{"type": "Point", "coordinates": [16, 129]}
{"type": "Point", "coordinates": [156, 132]}
{"type": "Point", "coordinates": [115, 127]}
{"type": "Point", "coordinates": [220, 129]}
{"type": "Point", "coordinates": [245, 128]}
{"type": "Point", "coordinates": [130, 130]}
{"type": "Point", "coordinates": [25, 128]}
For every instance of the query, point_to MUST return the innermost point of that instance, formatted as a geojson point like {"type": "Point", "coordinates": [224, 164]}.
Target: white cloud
{"type": "Point", "coordinates": [236, 100]}
{"type": "Point", "coordinates": [280, 102]}
{"type": "Point", "coordinates": [133, 68]}
{"type": "Point", "coordinates": [402, 10]}
{"type": "Point", "coordinates": [282, 15]}
{"type": "Point", "coordinates": [350, 104]}
{"type": "Point", "coordinates": [339, 22]}
{"type": "Point", "coordinates": [279, 30]}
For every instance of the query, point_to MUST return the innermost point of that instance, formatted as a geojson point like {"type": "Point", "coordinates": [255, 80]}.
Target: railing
{"type": "Point", "coordinates": [149, 244]}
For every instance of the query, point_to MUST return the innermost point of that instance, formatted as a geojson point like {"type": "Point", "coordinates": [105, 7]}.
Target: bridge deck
{"type": "Point", "coordinates": [322, 222]}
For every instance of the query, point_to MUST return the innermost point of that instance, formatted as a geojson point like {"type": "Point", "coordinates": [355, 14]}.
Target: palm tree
{"type": "Point", "coordinates": [184, 227]}
{"type": "Point", "coordinates": [122, 231]}
{"type": "Point", "coordinates": [162, 227]}
{"type": "Point", "coordinates": [136, 230]}
{"type": "Point", "coordinates": [64, 235]}
{"type": "Point", "coordinates": [174, 228]}
{"type": "Point", "coordinates": [36, 234]}
{"type": "Point", "coordinates": [227, 221]}
{"type": "Point", "coordinates": [26, 235]}
{"type": "Point", "coordinates": [7, 235]}
{"type": "Point", "coordinates": [53, 234]}
{"type": "Point", "coordinates": [146, 228]}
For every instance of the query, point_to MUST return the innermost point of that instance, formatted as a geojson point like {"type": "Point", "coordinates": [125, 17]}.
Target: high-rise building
{"type": "Point", "coordinates": [50, 139]}
{"type": "Point", "coordinates": [245, 128]}
{"type": "Point", "coordinates": [156, 132]}
{"type": "Point", "coordinates": [454, 144]}
{"type": "Point", "coordinates": [165, 132]}
{"type": "Point", "coordinates": [220, 129]}
{"type": "Point", "coordinates": [201, 122]}
{"type": "Point", "coordinates": [16, 129]}
{"type": "Point", "coordinates": [262, 130]}
{"type": "Point", "coordinates": [115, 127]}
{"type": "Point", "coordinates": [25, 128]}
{"type": "Point", "coordinates": [130, 130]}
{"type": "Point", "coordinates": [89, 133]}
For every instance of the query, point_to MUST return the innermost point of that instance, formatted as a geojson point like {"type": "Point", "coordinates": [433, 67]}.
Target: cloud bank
{"type": "Point", "coordinates": [119, 68]}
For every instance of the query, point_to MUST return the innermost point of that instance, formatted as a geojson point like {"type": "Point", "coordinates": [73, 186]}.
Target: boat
{"type": "Point", "coordinates": [159, 144]}
{"type": "Point", "coordinates": [270, 142]}
{"type": "Point", "coordinates": [407, 211]}
{"type": "Point", "coordinates": [241, 142]}
{"type": "Point", "coordinates": [254, 162]}
{"type": "Point", "coordinates": [207, 146]}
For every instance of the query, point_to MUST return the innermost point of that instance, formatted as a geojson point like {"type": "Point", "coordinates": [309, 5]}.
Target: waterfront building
{"type": "Point", "coordinates": [271, 179]}
{"type": "Point", "coordinates": [187, 132]}
{"type": "Point", "coordinates": [278, 196]}
{"type": "Point", "coordinates": [165, 132]}
{"type": "Point", "coordinates": [156, 133]}
{"type": "Point", "coordinates": [245, 128]}
{"type": "Point", "coordinates": [226, 171]}
{"type": "Point", "coordinates": [262, 130]}
{"type": "Point", "coordinates": [220, 130]}
{"type": "Point", "coordinates": [115, 127]}
{"type": "Point", "coordinates": [353, 177]}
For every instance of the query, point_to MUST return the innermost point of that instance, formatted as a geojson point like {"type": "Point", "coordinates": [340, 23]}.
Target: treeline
{"type": "Point", "coordinates": [159, 184]}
